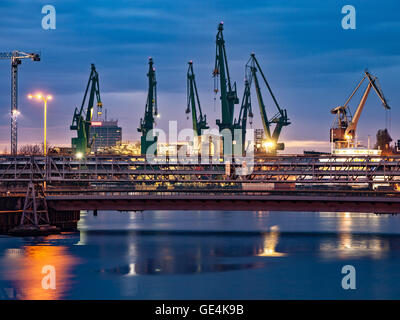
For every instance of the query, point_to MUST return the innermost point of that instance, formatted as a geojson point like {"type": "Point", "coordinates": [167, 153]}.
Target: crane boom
{"type": "Point", "coordinates": [151, 110]}
{"type": "Point", "coordinates": [200, 122]}
{"type": "Point", "coordinates": [280, 119]}
{"type": "Point", "coordinates": [344, 130]}
{"type": "Point", "coordinates": [82, 118]}
{"type": "Point", "coordinates": [16, 57]}
{"type": "Point", "coordinates": [228, 92]}
{"type": "Point", "coordinates": [245, 111]}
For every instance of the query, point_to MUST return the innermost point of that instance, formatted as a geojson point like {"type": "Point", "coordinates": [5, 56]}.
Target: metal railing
{"type": "Point", "coordinates": [65, 170]}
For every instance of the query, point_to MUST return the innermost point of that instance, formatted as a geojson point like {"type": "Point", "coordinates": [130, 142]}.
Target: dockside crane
{"type": "Point", "coordinates": [83, 117]}
{"type": "Point", "coordinates": [280, 119]}
{"type": "Point", "coordinates": [16, 59]}
{"type": "Point", "coordinates": [228, 94]}
{"type": "Point", "coordinates": [199, 122]}
{"type": "Point", "coordinates": [244, 113]}
{"type": "Point", "coordinates": [343, 130]}
{"type": "Point", "coordinates": [151, 110]}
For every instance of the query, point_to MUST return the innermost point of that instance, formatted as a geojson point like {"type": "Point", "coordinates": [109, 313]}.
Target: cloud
{"type": "Point", "coordinates": [310, 61]}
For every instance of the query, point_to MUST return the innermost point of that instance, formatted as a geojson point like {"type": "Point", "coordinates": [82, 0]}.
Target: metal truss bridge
{"type": "Point", "coordinates": [135, 171]}
{"type": "Point", "coordinates": [285, 183]}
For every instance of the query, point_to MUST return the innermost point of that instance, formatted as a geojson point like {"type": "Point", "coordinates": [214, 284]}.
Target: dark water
{"type": "Point", "coordinates": [208, 255]}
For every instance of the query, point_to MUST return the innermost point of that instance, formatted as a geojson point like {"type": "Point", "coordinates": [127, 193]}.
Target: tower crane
{"type": "Point", "coordinates": [200, 122]}
{"type": "Point", "coordinates": [16, 59]}
{"type": "Point", "coordinates": [280, 119]}
{"type": "Point", "coordinates": [228, 92]}
{"type": "Point", "coordinates": [151, 110]}
{"type": "Point", "coordinates": [343, 131]}
{"type": "Point", "coordinates": [83, 117]}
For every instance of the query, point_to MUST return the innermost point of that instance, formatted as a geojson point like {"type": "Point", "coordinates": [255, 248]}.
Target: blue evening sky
{"type": "Point", "coordinates": [311, 62]}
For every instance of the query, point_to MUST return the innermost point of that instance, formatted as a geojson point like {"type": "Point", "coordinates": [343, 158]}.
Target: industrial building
{"type": "Point", "coordinates": [105, 134]}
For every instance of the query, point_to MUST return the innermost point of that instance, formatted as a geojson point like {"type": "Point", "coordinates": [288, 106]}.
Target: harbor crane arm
{"type": "Point", "coordinates": [341, 112]}
{"type": "Point", "coordinates": [151, 109]}
{"type": "Point", "coordinates": [82, 118]}
{"type": "Point", "coordinates": [199, 123]}
{"type": "Point", "coordinates": [280, 118]}
{"type": "Point", "coordinates": [245, 111]}
{"type": "Point", "coordinates": [228, 92]}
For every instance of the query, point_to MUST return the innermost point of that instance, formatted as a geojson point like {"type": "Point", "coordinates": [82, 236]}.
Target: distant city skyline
{"type": "Point", "coordinates": [312, 64]}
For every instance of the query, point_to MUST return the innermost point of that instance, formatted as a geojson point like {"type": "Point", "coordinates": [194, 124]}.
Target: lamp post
{"type": "Point", "coordinates": [39, 96]}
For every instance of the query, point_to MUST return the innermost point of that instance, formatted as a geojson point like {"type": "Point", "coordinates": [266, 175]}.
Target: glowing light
{"type": "Point", "coordinates": [268, 145]}
{"type": "Point", "coordinates": [79, 155]}
{"type": "Point", "coordinates": [40, 96]}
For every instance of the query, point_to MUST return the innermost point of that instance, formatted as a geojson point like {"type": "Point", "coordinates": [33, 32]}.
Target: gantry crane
{"type": "Point", "coordinates": [83, 117]}
{"type": "Point", "coordinates": [343, 131]}
{"type": "Point", "coordinates": [199, 123]}
{"type": "Point", "coordinates": [16, 59]}
{"type": "Point", "coordinates": [280, 119]}
{"type": "Point", "coordinates": [228, 92]}
{"type": "Point", "coordinates": [151, 110]}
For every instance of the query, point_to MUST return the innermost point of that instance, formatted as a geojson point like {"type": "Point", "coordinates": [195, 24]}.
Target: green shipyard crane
{"type": "Point", "coordinates": [228, 94]}
{"type": "Point", "coordinates": [200, 122]}
{"type": "Point", "coordinates": [16, 59]}
{"type": "Point", "coordinates": [244, 113]}
{"type": "Point", "coordinates": [280, 119]}
{"type": "Point", "coordinates": [83, 117]}
{"type": "Point", "coordinates": [151, 110]}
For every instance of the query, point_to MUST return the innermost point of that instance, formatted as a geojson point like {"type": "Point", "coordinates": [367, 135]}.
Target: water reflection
{"type": "Point", "coordinates": [157, 260]}
{"type": "Point", "coordinates": [152, 267]}
{"type": "Point", "coordinates": [23, 269]}
{"type": "Point", "coordinates": [348, 245]}
{"type": "Point", "coordinates": [270, 242]}
{"type": "Point", "coordinates": [163, 253]}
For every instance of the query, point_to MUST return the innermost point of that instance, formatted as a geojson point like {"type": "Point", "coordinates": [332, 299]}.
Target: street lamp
{"type": "Point", "coordinates": [39, 96]}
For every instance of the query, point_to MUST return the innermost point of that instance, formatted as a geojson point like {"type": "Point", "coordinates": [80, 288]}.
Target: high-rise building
{"type": "Point", "coordinates": [105, 133]}
{"type": "Point", "coordinates": [258, 139]}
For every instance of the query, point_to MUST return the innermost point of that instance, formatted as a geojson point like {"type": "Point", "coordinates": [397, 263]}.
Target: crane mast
{"type": "Point", "coordinates": [280, 119]}
{"type": "Point", "coordinates": [244, 113]}
{"type": "Point", "coordinates": [151, 110]}
{"type": "Point", "coordinates": [200, 122]}
{"type": "Point", "coordinates": [82, 118]}
{"type": "Point", "coordinates": [228, 92]}
{"type": "Point", "coordinates": [16, 59]}
{"type": "Point", "coordinates": [343, 131]}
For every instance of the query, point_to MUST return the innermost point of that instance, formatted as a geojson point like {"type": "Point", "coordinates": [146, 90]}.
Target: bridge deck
{"type": "Point", "coordinates": [225, 201]}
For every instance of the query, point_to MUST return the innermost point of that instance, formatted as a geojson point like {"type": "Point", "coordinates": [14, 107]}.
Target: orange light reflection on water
{"type": "Point", "coordinates": [25, 270]}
